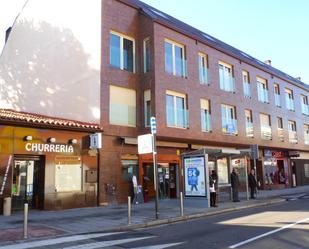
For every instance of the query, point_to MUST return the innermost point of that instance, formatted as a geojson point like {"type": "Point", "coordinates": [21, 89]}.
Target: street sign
{"type": "Point", "coordinates": [153, 125]}
{"type": "Point", "coordinates": [96, 141]}
{"type": "Point", "coordinates": [145, 144]}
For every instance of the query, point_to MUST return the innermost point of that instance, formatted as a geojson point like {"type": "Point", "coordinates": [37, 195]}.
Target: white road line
{"type": "Point", "coordinates": [57, 241]}
{"type": "Point", "coordinates": [159, 246]}
{"type": "Point", "coordinates": [268, 233]}
{"type": "Point", "coordinates": [106, 243]}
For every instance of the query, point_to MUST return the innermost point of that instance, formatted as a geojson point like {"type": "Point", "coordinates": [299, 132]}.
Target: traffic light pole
{"type": "Point", "coordinates": [155, 174]}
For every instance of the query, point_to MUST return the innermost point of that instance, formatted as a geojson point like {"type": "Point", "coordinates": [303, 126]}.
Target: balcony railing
{"type": "Point", "coordinates": [204, 75]}
{"type": "Point", "coordinates": [227, 82]}
{"type": "Point", "coordinates": [266, 132]}
{"type": "Point", "coordinates": [306, 137]}
{"type": "Point", "coordinates": [289, 104]}
{"type": "Point", "coordinates": [293, 139]}
{"type": "Point", "coordinates": [176, 66]}
{"type": "Point", "coordinates": [262, 94]}
{"type": "Point", "coordinates": [205, 121]}
{"type": "Point", "coordinates": [121, 114]}
{"type": "Point", "coordinates": [178, 118]}
{"type": "Point", "coordinates": [249, 129]}
{"type": "Point", "coordinates": [281, 134]}
{"type": "Point", "coordinates": [277, 100]}
{"type": "Point", "coordinates": [229, 126]}
{"type": "Point", "coordinates": [247, 92]}
{"type": "Point", "coordinates": [304, 109]}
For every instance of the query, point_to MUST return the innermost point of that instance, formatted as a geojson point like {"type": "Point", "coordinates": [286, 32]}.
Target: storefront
{"type": "Point", "coordinates": [300, 168]}
{"type": "Point", "coordinates": [276, 169]}
{"type": "Point", "coordinates": [48, 164]}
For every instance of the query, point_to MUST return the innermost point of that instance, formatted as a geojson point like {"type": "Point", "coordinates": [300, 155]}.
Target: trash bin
{"type": "Point", "coordinates": [7, 206]}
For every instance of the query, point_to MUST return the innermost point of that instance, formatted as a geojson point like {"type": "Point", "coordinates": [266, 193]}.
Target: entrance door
{"type": "Point", "coordinates": [28, 182]}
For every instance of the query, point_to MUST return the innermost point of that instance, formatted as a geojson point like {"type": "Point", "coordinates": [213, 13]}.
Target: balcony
{"type": "Point", "coordinates": [280, 134]}
{"type": "Point", "coordinates": [205, 121]}
{"type": "Point", "coordinates": [304, 109]}
{"type": "Point", "coordinates": [229, 126]}
{"type": "Point", "coordinates": [177, 118]}
{"type": "Point", "coordinates": [227, 82]}
{"type": "Point", "coordinates": [249, 129]}
{"type": "Point", "coordinates": [263, 94]}
{"type": "Point", "coordinates": [277, 100]}
{"type": "Point", "coordinates": [266, 132]}
{"type": "Point", "coordinates": [176, 66]}
{"type": "Point", "coordinates": [293, 139]}
{"type": "Point", "coordinates": [203, 71]}
{"type": "Point", "coordinates": [247, 92]}
{"type": "Point", "coordinates": [289, 104]}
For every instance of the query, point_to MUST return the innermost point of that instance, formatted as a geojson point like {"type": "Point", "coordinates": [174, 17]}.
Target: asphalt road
{"type": "Point", "coordinates": [281, 226]}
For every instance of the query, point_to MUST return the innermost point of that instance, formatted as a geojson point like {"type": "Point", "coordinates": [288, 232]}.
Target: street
{"type": "Point", "coordinates": [284, 225]}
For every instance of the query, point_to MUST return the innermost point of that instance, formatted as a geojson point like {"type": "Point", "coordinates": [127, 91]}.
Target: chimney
{"type": "Point", "coordinates": [298, 78]}
{"type": "Point", "coordinates": [268, 62]}
{"type": "Point", "coordinates": [7, 33]}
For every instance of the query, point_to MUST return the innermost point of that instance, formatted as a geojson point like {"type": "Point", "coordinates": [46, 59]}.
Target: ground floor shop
{"type": "Point", "coordinates": [47, 167]}
{"type": "Point", "coordinates": [300, 168]}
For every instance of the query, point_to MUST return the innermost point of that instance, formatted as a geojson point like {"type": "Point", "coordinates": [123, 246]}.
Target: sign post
{"type": "Point", "coordinates": [153, 127]}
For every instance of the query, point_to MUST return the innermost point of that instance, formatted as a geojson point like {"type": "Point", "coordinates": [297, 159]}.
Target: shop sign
{"type": "Point", "coordinates": [267, 153]}
{"type": "Point", "coordinates": [145, 144]}
{"type": "Point", "coordinates": [278, 154]}
{"type": "Point", "coordinates": [58, 148]}
{"type": "Point", "coordinates": [294, 153]}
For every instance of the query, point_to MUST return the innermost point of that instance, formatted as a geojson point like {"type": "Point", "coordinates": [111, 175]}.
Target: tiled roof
{"type": "Point", "coordinates": [199, 35]}
{"type": "Point", "coordinates": [31, 119]}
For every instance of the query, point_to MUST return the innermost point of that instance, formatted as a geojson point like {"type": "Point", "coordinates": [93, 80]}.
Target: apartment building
{"type": "Point", "coordinates": [129, 61]}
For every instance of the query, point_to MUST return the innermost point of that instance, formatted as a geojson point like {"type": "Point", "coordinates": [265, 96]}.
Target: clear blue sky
{"type": "Point", "coordinates": [266, 29]}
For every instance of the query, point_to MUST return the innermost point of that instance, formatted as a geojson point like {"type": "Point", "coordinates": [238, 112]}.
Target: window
{"type": "Point", "coordinates": [175, 59]}
{"type": "Point", "coordinates": [128, 169]}
{"type": "Point", "coordinates": [147, 107]}
{"type": "Point", "coordinates": [277, 95]}
{"type": "Point", "coordinates": [205, 115]}
{"type": "Point", "coordinates": [249, 123]}
{"type": "Point", "coordinates": [280, 129]}
{"type": "Point", "coordinates": [306, 170]}
{"type": "Point", "coordinates": [262, 90]}
{"type": "Point", "coordinates": [304, 105]}
{"type": "Point", "coordinates": [203, 68]}
{"type": "Point", "coordinates": [227, 82]}
{"type": "Point", "coordinates": [122, 107]}
{"type": "Point", "coordinates": [122, 52]}
{"type": "Point", "coordinates": [146, 52]}
{"type": "Point", "coordinates": [306, 134]}
{"type": "Point", "coordinates": [289, 101]}
{"type": "Point", "coordinates": [176, 111]}
{"type": "Point", "coordinates": [229, 122]}
{"type": "Point", "coordinates": [246, 84]}
{"type": "Point", "coordinates": [292, 132]}
{"type": "Point", "coordinates": [265, 126]}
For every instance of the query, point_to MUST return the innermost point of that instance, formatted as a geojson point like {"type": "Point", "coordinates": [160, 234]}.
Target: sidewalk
{"type": "Point", "coordinates": [43, 224]}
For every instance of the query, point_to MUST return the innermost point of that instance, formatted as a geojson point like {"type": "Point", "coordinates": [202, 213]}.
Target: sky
{"type": "Point", "coordinates": [277, 30]}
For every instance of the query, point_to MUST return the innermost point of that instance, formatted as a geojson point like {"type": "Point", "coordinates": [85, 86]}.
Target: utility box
{"type": "Point", "coordinates": [91, 176]}
{"type": "Point", "coordinates": [7, 204]}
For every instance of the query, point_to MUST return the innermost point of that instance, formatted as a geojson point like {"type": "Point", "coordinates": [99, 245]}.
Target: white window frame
{"type": "Point", "coordinates": [231, 75]}
{"type": "Point", "coordinates": [145, 55]}
{"type": "Point", "coordinates": [180, 95]}
{"type": "Point", "coordinates": [263, 83]}
{"type": "Point", "coordinates": [121, 48]}
{"type": "Point", "coordinates": [204, 59]}
{"type": "Point", "coordinates": [173, 43]}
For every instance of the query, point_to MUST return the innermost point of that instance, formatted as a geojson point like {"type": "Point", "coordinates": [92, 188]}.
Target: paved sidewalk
{"type": "Point", "coordinates": [44, 224]}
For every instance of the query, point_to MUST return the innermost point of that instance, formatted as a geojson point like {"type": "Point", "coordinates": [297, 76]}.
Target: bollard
{"type": "Point", "coordinates": [25, 220]}
{"type": "Point", "coordinates": [181, 204]}
{"type": "Point", "coordinates": [129, 210]}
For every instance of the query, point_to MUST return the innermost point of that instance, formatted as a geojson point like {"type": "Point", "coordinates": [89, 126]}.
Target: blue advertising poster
{"type": "Point", "coordinates": [194, 173]}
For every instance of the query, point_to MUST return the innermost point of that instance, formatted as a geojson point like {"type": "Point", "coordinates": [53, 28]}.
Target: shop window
{"type": "Point", "coordinates": [306, 170]}
{"type": "Point", "coordinates": [122, 108]}
{"type": "Point", "coordinates": [223, 172]}
{"type": "Point", "coordinates": [122, 54]}
{"type": "Point", "coordinates": [68, 174]}
{"type": "Point", "coordinates": [128, 169]}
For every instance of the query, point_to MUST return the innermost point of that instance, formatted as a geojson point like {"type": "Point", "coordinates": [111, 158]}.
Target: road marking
{"type": "Point", "coordinates": [268, 233]}
{"type": "Point", "coordinates": [57, 241]}
{"type": "Point", "coordinates": [106, 243]}
{"type": "Point", "coordinates": [159, 246]}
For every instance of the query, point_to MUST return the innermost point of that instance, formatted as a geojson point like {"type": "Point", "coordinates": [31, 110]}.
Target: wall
{"type": "Point", "coordinates": [51, 62]}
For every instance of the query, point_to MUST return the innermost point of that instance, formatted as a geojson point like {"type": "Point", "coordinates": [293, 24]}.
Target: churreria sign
{"type": "Point", "coordinates": [60, 148]}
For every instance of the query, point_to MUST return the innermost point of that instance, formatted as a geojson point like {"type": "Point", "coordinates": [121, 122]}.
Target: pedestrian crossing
{"type": "Point", "coordinates": [96, 241]}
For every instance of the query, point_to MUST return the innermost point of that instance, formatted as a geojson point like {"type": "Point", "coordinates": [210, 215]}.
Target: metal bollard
{"type": "Point", "coordinates": [129, 210]}
{"type": "Point", "coordinates": [181, 204]}
{"type": "Point", "coordinates": [25, 220]}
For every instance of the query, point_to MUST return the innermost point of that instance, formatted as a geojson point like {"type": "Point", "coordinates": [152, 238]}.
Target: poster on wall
{"type": "Point", "coordinates": [194, 174]}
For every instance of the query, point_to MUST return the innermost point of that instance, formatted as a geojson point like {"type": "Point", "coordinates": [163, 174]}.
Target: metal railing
{"type": "Point", "coordinates": [266, 132]}
{"type": "Point", "coordinates": [277, 100]}
{"type": "Point", "coordinates": [229, 126]}
{"type": "Point", "coordinates": [247, 92]}
{"type": "Point", "coordinates": [203, 73]}
{"type": "Point", "coordinates": [227, 82]}
{"type": "Point", "coordinates": [205, 121]}
{"type": "Point", "coordinates": [177, 117]}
